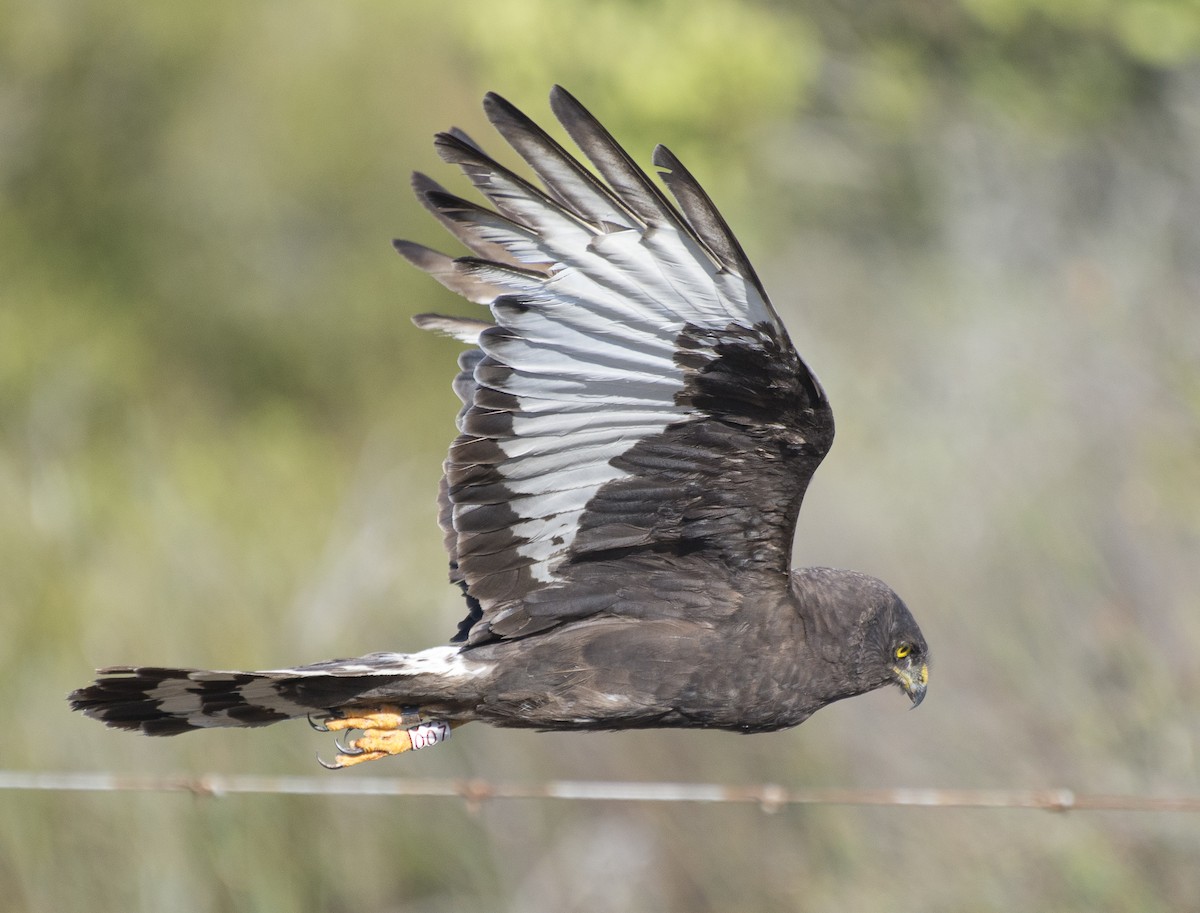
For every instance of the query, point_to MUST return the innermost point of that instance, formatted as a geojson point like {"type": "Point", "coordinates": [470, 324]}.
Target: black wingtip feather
{"type": "Point", "coordinates": [459, 216]}
{"type": "Point", "coordinates": [418, 255]}
{"type": "Point", "coordinates": [423, 184]}
{"type": "Point", "coordinates": [465, 138]}
{"type": "Point", "coordinates": [703, 216]}
{"type": "Point", "coordinates": [566, 180]}
{"type": "Point", "coordinates": [453, 148]}
{"type": "Point", "coordinates": [630, 183]}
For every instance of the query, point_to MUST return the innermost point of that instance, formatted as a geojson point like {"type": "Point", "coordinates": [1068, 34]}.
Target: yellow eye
{"type": "Point", "coordinates": [902, 651]}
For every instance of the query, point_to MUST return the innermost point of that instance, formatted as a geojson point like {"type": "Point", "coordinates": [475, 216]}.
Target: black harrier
{"type": "Point", "coordinates": [636, 437]}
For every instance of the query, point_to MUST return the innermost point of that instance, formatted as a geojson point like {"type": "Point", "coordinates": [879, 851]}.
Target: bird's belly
{"type": "Point", "coordinates": [613, 677]}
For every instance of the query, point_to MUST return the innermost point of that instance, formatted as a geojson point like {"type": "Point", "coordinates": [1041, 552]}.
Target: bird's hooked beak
{"type": "Point", "coordinates": [913, 680]}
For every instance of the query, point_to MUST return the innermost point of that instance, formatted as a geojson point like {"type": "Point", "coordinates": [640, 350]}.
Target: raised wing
{"type": "Point", "coordinates": [637, 431]}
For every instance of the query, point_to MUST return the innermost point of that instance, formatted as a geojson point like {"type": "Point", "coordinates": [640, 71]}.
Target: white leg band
{"type": "Point", "coordinates": [429, 734]}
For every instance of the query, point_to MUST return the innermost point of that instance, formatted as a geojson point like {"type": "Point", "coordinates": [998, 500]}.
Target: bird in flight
{"type": "Point", "coordinates": [635, 440]}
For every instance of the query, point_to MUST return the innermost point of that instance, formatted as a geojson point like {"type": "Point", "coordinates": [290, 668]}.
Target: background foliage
{"type": "Point", "coordinates": [220, 436]}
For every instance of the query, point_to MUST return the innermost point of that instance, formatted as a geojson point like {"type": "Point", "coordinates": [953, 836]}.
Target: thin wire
{"type": "Point", "coordinates": [769, 797]}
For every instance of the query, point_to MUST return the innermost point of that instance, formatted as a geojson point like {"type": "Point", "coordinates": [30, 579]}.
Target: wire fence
{"type": "Point", "coordinates": [769, 797]}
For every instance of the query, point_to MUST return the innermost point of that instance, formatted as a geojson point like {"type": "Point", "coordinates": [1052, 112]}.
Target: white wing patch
{"type": "Point", "coordinates": [591, 286]}
{"type": "Point", "coordinates": [593, 373]}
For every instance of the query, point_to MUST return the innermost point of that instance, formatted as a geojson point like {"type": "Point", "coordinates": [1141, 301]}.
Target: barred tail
{"type": "Point", "coordinates": [161, 701]}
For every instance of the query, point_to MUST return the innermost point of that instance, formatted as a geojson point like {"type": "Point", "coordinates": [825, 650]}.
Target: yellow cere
{"type": "Point", "coordinates": [924, 674]}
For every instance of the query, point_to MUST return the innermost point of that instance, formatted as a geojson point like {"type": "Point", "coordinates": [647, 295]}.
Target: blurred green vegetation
{"type": "Point", "coordinates": [220, 436]}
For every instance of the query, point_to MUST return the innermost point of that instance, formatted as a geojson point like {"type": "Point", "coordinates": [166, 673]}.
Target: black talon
{"type": "Point", "coordinates": [318, 724]}
{"type": "Point", "coordinates": [334, 766]}
{"type": "Point", "coordinates": [342, 749]}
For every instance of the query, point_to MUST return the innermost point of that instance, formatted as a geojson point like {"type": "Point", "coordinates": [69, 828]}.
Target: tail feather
{"type": "Point", "coordinates": [165, 701]}
{"type": "Point", "coordinates": [170, 701]}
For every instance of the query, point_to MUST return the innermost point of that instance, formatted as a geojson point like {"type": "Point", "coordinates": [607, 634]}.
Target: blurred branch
{"type": "Point", "coordinates": [769, 797]}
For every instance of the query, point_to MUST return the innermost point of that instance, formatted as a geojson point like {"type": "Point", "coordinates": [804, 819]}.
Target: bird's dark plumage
{"type": "Point", "coordinates": [636, 437]}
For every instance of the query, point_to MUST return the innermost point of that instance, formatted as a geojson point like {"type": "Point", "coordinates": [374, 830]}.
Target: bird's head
{"type": "Point", "coordinates": [866, 630]}
{"type": "Point", "coordinates": [894, 648]}
{"type": "Point", "coordinates": [910, 665]}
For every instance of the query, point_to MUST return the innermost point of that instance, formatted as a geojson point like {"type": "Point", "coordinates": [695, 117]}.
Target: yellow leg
{"type": "Point", "coordinates": [386, 717]}
{"type": "Point", "coordinates": [385, 732]}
